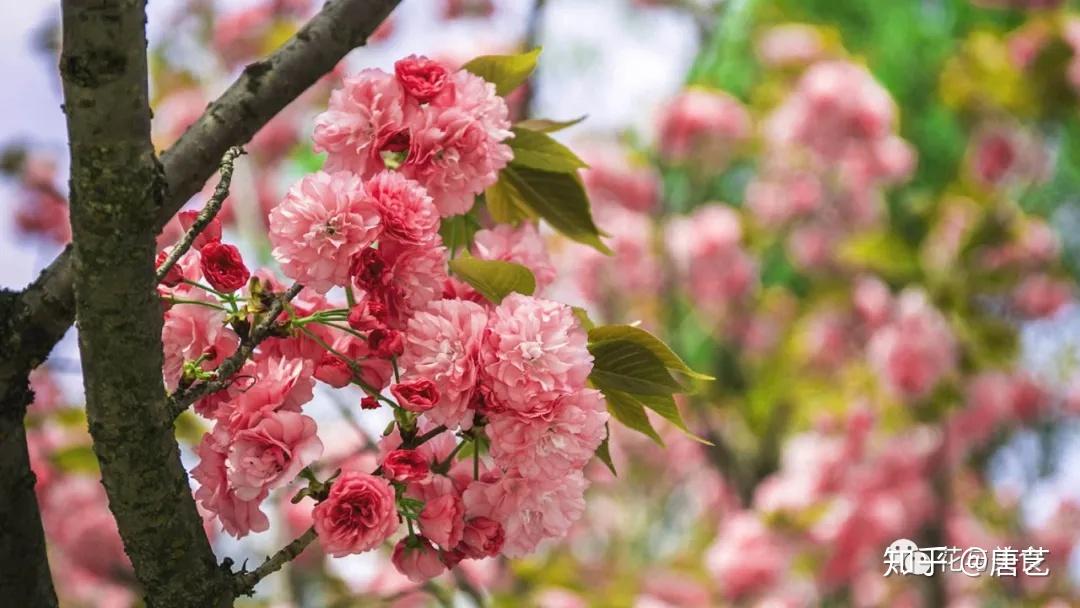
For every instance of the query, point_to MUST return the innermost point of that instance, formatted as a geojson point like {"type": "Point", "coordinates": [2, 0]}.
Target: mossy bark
{"type": "Point", "coordinates": [117, 189]}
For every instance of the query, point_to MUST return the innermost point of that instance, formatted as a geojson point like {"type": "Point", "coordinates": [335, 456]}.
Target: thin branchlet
{"type": "Point", "coordinates": [246, 581]}
{"type": "Point", "coordinates": [207, 215]}
{"type": "Point", "coordinates": [182, 398]}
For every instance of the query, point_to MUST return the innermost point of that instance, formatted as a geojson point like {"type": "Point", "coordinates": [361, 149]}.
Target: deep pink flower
{"type": "Point", "coordinates": [406, 466]}
{"type": "Point", "coordinates": [443, 520]}
{"type": "Point", "coordinates": [264, 385]}
{"type": "Point", "coordinates": [442, 344]}
{"type": "Point", "coordinates": [367, 315]}
{"type": "Point", "coordinates": [482, 538]}
{"type": "Point", "coordinates": [407, 213]}
{"type": "Point", "coordinates": [534, 353]}
{"type": "Point", "coordinates": [417, 396]}
{"type": "Point", "coordinates": [417, 559]}
{"type": "Point", "coordinates": [703, 123]}
{"type": "Point", "coordinates": [323, 221]}
{"type": "Point", "coordinates": [357, 516]}
{"type": "Point", "coordinates": [915, 350]}
{"type": "Point", "coordinates": [223, 267]}
{"type": "Point", "coordinates": [422, 78]}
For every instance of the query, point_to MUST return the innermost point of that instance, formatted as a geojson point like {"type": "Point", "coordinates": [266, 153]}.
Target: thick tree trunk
{"type": "Point", "coordinates": [117, 189]}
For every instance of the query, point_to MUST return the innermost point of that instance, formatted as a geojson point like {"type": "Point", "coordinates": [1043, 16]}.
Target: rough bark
{"type": "Point", "coordinates": [47, 307]}
{"type": "Point", "coordinates": [117, 190]}
{"type": "Point", "coordinates": [24, 567]}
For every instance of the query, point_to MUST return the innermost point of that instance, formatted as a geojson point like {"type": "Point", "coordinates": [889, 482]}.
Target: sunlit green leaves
{"type": "Point", "coordinates": [558, 198]}
{"type": "Point", "coordinates": [538, 150]}
{"type": "Point", "coordinates": [547, 125]}
{"type": "Point", "coordinates": [494, 279]}
{"type": "Point", "coordinates": [639, 336]}
{"type": "Point", "coordinates": [506, 72]}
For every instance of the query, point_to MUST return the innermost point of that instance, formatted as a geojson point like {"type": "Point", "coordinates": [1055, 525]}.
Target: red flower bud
{"type": "Point", "coordinates": [174, 276]}
{"type": "Point", "coordinates": [368, 315]}
{"type": "Point", "coordinates": [416, 395]}
{"type": "Point", "coordinates": [223, 267]}
{"type": "Point", "coordinates": [368, 269]}
{"type": "Point", "coordinates": [369, 403]}
{"type": "Point", "coordinates": [406, 466]}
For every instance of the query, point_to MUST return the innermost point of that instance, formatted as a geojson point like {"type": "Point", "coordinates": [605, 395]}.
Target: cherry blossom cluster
{"type": "Point", "coordinates": [493, 419]}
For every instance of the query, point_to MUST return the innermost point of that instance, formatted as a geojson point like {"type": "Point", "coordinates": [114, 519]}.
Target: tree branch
{"type": "Point", "coordinates": [47, 307]}
{"type": "Point", "coordinates": [117, 188]}
{"type": "Point", "coordinates": [246, 581]}
{"type": "Point", "coordinates": [221, 192]}
{"type": "Point", "coordinates": [181, 399]}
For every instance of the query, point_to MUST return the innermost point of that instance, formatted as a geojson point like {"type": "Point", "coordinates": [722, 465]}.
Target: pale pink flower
{"type": "Point", "coordinates": [703, 124]}
{"type": "Point", "coordinates": [552, 449]}
{"type": "Point", "coordinates": [442, 344]}
{"type": "Point", "coordinates": [366, 117]}
{"type": "Point", "coordinates": [530, 510]}
{"type": "Point", "coordinates": [324, 220]}
{"type": "Point", "coordinates": [535, 352]}
{"type": "Point", "coordinates": [613, 180]}
{"type": "Point", "coordinates": [521, 245]}
{"type": "Point", "coordinates": [746, 557]}
{"type": "Point", "coordinates": [914, 351]}
{"type": "Point", "coordinates": [357, 516]}
{"type": "Point", "coordinates": [789, 44]}
{"type": "Point", "coordinates": [1040, 295]}
{"type": "Point", "coordinates": [457, 151]}
{"type": "Point", "coordinates": [417, 559]}
{"type": "Point", "coordinates": [190, 331]}
{"type": "Point", "coordinates": [407, 212]}
{"type": "Point", "coordinates": [872, 300]}
{"type": "Point", "coordinates": [416, 277]}
{"type": "Point", "coordinates": [706, 250]}
{"type": "Point", "coordinates": [238, 516]}
{"type": "Point", "coordinates": [443, 520]}
{"type": "Point", "coordinates": [271, 453]}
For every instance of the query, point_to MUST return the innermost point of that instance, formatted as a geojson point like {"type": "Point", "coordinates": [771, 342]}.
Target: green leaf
{"type": "Point", "coordinates": [76, 459]}
{"type": "Point", "coordinates": [505, 204]}
{"type": "Point", "coordinates": [622, 365]}
{"type": "Point", "coordinates": [882, 252]}
{"type": "Point", "coordinates": [631, 413]}
{"type": "Point", "coordinates": [560, 199]}
{"type": "Point", "coordinates": [603, 451]}
{"type": "Point", "coordinates": [666, 407]}
{"type": "Point", "coordinates": [583, 317]}
{"type": "Point", "coordinates": [546, 125]}
{"type": "Point", "coordinates": [506, 72]}
{"type": "Point", "coordinates": [457, 231]}
{"type": "Point", "coordinates": [655, 345]}
{"type": "Point", "coordinates": [538, 150]}
{"type": "Point", "coordinates": [189, 428]}
{"type": "Point", "coordinates": [494, 279]}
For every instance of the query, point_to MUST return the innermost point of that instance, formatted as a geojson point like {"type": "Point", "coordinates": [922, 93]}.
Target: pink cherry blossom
{"type": "Point", "coordinates": [442, 344]}
{"type": "Point", "coordinates": [367, 116]}
{"type": "Point", "coordinates": [323, 221]}
{"type": "Point", "coordinates": [702, 123]}
{"type": "Point", "coordinates": [238, 516]}
{"type": "Point", "coordinates": [443, 520]}
{"type": "Point", "coordinates": [745, 557]}
{"type": "Point", "coordinates": [539, 448]}
{"type": "Point", "coordinates": [534, 353]}
{"type": "Point", "coordinates": [406, 210]}
{"type": "Point", "coordinates": [191, 331]}
{"type": "Point", "coordinates": [417, 559]}
{"type": "Point", "coordinates": [271, 453]}
{"type": "Point", "coordinates": [915, 350]}
{"type": "Point", "coordinates": [529, 510]}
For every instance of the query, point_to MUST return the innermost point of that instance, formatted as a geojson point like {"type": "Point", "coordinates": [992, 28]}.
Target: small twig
{"type": "Point", "coordinates": [422, 439]}
{"type": "Point", "coordinates": [181, 399]}
{"type": "Point", "coordinates": [221, 192]}
{"type": "Point", "coordinates": [246, 581]}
